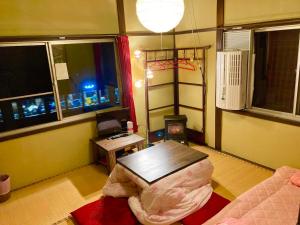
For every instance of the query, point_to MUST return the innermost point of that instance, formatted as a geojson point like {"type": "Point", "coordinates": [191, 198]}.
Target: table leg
{"type": "Point", "coordinates": [111, 161]}
{"type": "Point", "coordinates": [140, 145]}
{"type": "Point", "coordinates": [95, 151]}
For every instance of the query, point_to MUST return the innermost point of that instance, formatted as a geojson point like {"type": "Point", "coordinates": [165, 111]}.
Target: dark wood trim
{"type": "Point", "coordinates": [172, 49]}
{"type": "Point", "coordinates": [121, 17]}
{"type": "Point", "coordinates": [219, 47]}
{"type": "Point", "coordinates": [159, 85]}
{"type": "Point", "coordinates": [163, 60]}
{"type": "Point", "coordinates": [271, 23]}
{"type": "Point", "coordinates": [218, 128]}
{"type": "Point", "coordinates": [265, 117]}
{"type": "Point", "coordinates": [248, 161]}
{"type": "Point", "coordinates": [158, 60]}
{"type": "Point", "coordinates": [55, 37]}
{"type": "Point", "coordinates": [191, 107]}
{"type": "Point", "coordinates": [176, 78]}
{"type": "Point", "coordinates": [153, 137]}
{"type": "Point", "coordinates": [220, 25]}
{"type": "Point", "coordinates": [203, 75]}
{"type": "Point", "coordinates": [195, 136]}
{"type": "Point", "coordinates": [56, 126]}
{"type": "Point", "coordinates": [192, 84]}
{"type": "Point", "coordinates": [147, 101]}
{"type": "Point", "coordinates": [146, 33]}
{"type": "Point", "coordinates": [161, 107]}
{"type": "Point", "coordinates": [220, 13]}
{"type": "Point", "coordinates": [44, 129]}
{"type": "Point", "coordinates": [195, 31]}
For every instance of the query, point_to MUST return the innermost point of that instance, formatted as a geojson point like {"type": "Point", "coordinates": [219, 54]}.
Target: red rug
{"type": "Point", "coordinates": [211, 208]}
{"type": "Point", "coordinates": [115, 211]}
{"type": "Point", "coordinates": [106, 211]}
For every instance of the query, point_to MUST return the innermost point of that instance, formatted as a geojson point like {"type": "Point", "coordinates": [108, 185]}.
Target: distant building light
{"type": "Point", "coordinates": [89, 86]}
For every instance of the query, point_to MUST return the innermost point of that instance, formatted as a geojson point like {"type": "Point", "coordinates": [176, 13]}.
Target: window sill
{"type": "Point", "coordinates": [72, 120]}
{"type": "Point", "coordinates": [261, 114]}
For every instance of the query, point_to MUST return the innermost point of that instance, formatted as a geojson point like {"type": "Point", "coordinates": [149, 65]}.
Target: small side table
{"type": "Point", "coordinates": [111, 146]}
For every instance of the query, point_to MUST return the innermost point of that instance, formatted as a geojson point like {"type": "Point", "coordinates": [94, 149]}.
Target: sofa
{"type": "Point", "coordinates": [274, 201]}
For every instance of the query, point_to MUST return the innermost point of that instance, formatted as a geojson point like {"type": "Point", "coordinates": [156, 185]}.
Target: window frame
{"type": "Point", "coordinates": [250, 86]}
{"type": "Point", "coordinates": [62, 121]}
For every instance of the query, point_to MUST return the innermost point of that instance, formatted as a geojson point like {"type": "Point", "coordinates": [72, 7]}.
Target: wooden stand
{"type": "Point", "coordinates": [110, 146]}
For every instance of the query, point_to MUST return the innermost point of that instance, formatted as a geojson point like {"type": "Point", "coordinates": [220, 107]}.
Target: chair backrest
{"type": "Point", "coordinates": [113, 122]}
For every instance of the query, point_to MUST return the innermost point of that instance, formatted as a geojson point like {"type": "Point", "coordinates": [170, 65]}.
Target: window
{"type": "Point", "coordinates": [86, 76]}
{"type": "Point", "coordinates": [49, 81]}
{"type": "Point", "coordinates": [276, 59]}
{"type": "Point", "coordinates": [25, 86]}
{"type": "Point", "coordinates": [273, 84]}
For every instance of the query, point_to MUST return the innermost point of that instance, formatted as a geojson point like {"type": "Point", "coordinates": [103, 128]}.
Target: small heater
{"type": "Point", "coordinates": [175, 128]}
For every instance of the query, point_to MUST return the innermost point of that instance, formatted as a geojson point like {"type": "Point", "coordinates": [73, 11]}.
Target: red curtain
{"type": "Point", "coordinates": [126, 76]}
{"type": "Point", "coordinates": [98, 64]}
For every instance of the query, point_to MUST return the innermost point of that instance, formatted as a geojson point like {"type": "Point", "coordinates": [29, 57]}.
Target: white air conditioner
{"type": "Point", "coordinates": [232, 68]}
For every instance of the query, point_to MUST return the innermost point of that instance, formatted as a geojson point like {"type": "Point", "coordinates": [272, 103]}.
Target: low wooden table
{"type": "Point", "coordinates": [111, 146]}
{"type": "Point", "coordinates": [161, 160]}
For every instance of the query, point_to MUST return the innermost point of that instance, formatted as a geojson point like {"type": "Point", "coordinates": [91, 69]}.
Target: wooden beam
{"type": "Point", "coordinates": [190, 107]}
{"type": "Point", "coordinates": [219, 46]}
{"type": "Point", "coordinates": [271, 23]}
{"type": "Point", "coordinates": [161, 107]}
{"type": "Point", "coordinates": [121, 17]}
{"type": "Point", "coordinates": [55, 37]}
{"type": "Point", "coordinates": [196, 30]}
{"type": "Point", "coordinates": [175, 77]}
{"type": "Point", "coordinates": [147, 33]}
{"type": "Point", "coordinates": [220, 13]}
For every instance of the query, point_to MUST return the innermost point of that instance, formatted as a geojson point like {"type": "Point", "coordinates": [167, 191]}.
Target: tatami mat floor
{"type": "Point", "coordinates": [50, 201]}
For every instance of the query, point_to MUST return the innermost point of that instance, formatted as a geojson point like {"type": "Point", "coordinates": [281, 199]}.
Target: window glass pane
{"type": "Point", "coordinates": [26, 95]}
{"type": "Point", "coordinates": [24, 70]}
{"type": "Point", "coordinates": [26, 112]}
{"type": "Point", "coordinates": [276, 54]}
{"type": "Point", "coordinates": [86, 76]}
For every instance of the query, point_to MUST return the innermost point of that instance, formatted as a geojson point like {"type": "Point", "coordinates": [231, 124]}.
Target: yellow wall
{"type": "Point", "coordinates": [32, 158]}
{"type": "Point", "coordinates": [269, 143]}
{"type": "Point", "coordinates": [198, 14]}
{"type": "Point", "coordinates": [56, 17]}
{"type": "Point", "coordinates": [241, 11]}
{"type": "Point", "coordinates": [158, 96]}
{"type": "Point", "coordinates": [132, 22]}
{"type": "Point", "coordinates": [202, 39]}
{"type": "Point", "coordinates": [36, 157]}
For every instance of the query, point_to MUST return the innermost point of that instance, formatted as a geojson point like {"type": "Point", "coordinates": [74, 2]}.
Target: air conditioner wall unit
{"type": "Point", "coordinates": [232, 69]}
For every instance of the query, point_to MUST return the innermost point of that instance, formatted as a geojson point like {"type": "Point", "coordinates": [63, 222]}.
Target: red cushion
{"type": "Point", "coordinates": [211, 208]}
{"type": "Point", "coordinates": [106, 211]}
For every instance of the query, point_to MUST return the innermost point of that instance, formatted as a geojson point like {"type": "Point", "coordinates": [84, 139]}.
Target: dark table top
{"type": "Point", "coordinates": [161, 160]}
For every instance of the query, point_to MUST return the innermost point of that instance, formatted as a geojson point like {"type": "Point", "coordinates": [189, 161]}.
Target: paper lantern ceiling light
{"type": "Point", "coordinates": [160, 15]}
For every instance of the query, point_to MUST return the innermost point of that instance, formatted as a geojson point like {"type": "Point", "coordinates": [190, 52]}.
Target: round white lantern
{"type": "Point", "coordinates": [160, 15]}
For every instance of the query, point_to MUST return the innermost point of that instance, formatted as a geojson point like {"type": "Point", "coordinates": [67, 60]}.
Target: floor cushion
{"type": "Point", "coordinates": [105, 211]}
{"type": "Point", "coordinates": [212, 207]}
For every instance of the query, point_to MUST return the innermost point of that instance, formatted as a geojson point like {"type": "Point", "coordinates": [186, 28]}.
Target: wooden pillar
{"type": "Point", "coordinates": [121, 17]}
{"type": "Point", "coordinates": [219, 46]}
{"type": "Point", "coordinates": [176, 84]}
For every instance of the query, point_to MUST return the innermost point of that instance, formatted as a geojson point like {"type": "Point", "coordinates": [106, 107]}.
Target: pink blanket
{"type": "Point", "coordinates": [167, 200]}
{"type": "Point", "coordinates": [275, 201]}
